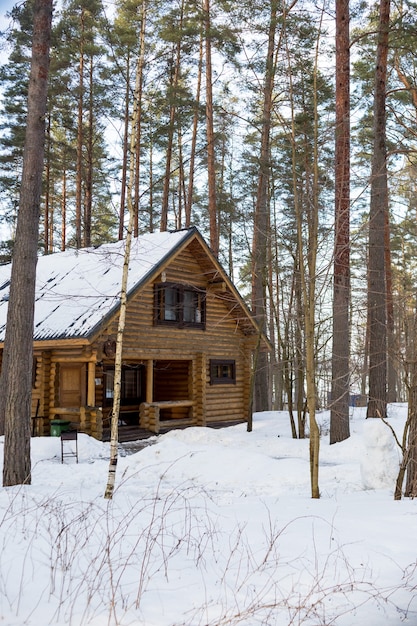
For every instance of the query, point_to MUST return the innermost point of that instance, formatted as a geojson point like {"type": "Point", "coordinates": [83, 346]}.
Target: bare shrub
{"type": "Point", "coordinates": [80, 561]}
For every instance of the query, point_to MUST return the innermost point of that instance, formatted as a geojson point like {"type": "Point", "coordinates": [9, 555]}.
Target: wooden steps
{"type": "Point", "coordinates": [135, 433]}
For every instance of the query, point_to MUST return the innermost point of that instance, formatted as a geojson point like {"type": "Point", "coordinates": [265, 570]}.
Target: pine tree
{"type": "Point", "coordinates": [14, 77]}
{"type": "Point", "coordinates": [80, 27]}
{"type": "Point", "coordinates": [16, 373]}
{"type": "Point", "coordinates": [262, 222]}
{"type": "Point", "coordinates": [339, 419]}
{"type": "Point", "coordinates": [377, 312]}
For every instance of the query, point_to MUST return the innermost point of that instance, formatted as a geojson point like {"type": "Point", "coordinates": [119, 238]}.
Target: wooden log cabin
{"type": "Point", "coordinates": [188, 343]}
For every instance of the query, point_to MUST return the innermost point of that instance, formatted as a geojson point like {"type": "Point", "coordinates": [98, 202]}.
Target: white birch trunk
{"type": "Point", "coordinates": [114, 434]}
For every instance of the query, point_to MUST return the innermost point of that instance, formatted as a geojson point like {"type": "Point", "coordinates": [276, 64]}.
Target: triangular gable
{"type": "Point", "coordinates": [225, 288]}
{"type": "Point", "coordinates": [77, 290]}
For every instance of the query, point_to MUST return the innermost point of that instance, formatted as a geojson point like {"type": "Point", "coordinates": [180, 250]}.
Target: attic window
{"type": "Point", "coordinates": [222, 372]}
{"type": "Point", "coordinates": [180, 305]}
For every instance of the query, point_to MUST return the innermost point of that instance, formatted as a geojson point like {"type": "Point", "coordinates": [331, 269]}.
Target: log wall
{"type": "Point", "coordinates": [180, 357]}
{"type": "Point", "coordinates": [193, 348]}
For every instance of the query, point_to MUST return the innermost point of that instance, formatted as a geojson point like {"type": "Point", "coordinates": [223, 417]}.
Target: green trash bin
{"type": "Point", "coordinates": [59, 426]}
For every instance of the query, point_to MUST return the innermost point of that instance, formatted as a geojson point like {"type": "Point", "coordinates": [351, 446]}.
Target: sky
{"type": "Point", "coordinates": [5, 6]}
{"type": "Point", "coordinates": [209, 527]}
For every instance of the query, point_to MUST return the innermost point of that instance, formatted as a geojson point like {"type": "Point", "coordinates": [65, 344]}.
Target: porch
{"type": "Point", "coordinates": [156, 395]}
{"type": "Point", "coordinates": [130, 433]}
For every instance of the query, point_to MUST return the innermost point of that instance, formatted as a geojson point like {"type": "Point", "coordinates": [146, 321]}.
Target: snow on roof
{"type": "Point", "coordinates": [76, 289]}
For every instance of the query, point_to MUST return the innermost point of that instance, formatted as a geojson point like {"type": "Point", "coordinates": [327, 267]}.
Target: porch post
{"type": "Point", "coordinates": [199, 384]}
{"type": "Point", "coordinates": [91, 384]}
{"type": "Point", "coordinates": [149, 381]}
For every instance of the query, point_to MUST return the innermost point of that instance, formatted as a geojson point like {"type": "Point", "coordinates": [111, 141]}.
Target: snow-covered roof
{"type": "Point", "coordinates": [77, 289]}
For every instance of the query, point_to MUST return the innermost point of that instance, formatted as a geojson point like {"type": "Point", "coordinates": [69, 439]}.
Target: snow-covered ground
{"type": "Point", "coordinates": [213, 527]}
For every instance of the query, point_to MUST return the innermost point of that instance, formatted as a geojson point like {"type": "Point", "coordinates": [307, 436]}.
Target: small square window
{"type": "Point", "coordinates": [222, 372]}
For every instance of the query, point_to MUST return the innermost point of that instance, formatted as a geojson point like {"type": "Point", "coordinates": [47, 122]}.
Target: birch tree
{"type": "Point", "coordinates": [114, 429]}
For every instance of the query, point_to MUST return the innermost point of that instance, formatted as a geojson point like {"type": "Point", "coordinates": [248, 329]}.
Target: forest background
{"type": "Point", "coordinates": [236, 134]}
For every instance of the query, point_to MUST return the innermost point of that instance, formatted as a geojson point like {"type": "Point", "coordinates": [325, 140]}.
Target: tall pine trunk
{"type": "Point", "coordinates": [339, 417]}
{"type": "Point", "coordinates": [211, 160]}
{"type": "Point", "coordinates": [190, 190]}
{"type": "Point", "coordinates": [88, 195]}
{"type": "Point", "coordinates": [64, 208]}
{"type": "Point", "coordinates": [377, 301]}
{"type": "Point", "coordinates": [125, 154]}
{"type": "Point", "coordinates": [80, 138]}
{"type": "Point", "coordinates": [261, 238]}
{"type": "Point", "coordinates": [16, 375]}
{"type": "Point", "coordinates": [392, 353]}
{"type": "Point", "coordinates": [48, 221]}
{"type": "Point", "coordinates": [141, 63]}
{"type": "Point", "coordinates": [170, 139]}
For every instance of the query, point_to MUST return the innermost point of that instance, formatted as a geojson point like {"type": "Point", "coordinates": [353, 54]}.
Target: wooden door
{"type": "Point", "coordinates": [72, 385]}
